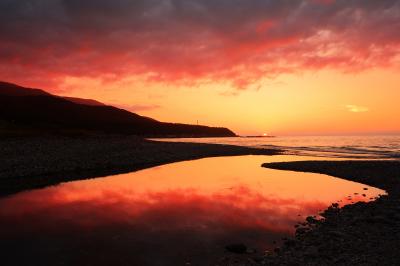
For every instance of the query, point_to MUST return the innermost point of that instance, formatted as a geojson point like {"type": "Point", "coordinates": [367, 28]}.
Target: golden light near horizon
{"type": "Point", "coordinates": [310, 103]}
{"type": "Point", "coordinates": [199, 132]}
{"type": "Point", "coordinates": [260, 66]}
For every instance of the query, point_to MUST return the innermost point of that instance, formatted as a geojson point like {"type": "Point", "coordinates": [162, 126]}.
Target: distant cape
{"type": "Point", "coordinates": [29, 108]}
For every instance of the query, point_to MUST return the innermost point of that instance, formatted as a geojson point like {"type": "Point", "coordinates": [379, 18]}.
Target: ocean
{"type": "Point", "coordinates": [358, 147]}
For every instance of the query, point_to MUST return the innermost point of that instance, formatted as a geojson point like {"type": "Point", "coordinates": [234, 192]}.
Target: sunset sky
{"type": "Point", "coordinates": [256, 66]}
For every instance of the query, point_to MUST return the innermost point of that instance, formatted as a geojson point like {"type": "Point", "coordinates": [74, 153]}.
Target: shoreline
{"type": "Point", "coordinates": [37, 162]}
{"type": "Point", "coordinates": [355, 234]}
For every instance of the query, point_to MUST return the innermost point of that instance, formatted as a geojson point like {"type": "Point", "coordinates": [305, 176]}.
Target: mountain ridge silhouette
{"type": "Point", "coordinates": [36, 108]}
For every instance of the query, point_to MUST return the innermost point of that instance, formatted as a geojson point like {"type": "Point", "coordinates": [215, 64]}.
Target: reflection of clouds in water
{"type": "Point", "coordinates": [162, 220]}
{"type": "Point", "coordinates": [174, 222]}
{"type": "Point", "coordinates": [165, 215]}
{"type": "Point", "coordinates": [213, 194]}
{"type": "Point", "coordinates": [239, 207]}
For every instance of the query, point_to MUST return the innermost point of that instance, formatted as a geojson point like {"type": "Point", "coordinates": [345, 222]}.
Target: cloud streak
{"type": "Point", "coordinates": [194, 41]}
{"type": "Point", "coordinates": [356, 108]}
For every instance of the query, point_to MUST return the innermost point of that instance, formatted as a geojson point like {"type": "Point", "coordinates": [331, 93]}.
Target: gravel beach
{"type": "Point", "coordinates": [34, 162]}
{"type": "Point", "coordinates": [357, 234]}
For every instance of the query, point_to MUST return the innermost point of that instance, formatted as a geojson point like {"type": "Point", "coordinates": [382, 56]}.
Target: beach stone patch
{"type": "Point", "coordinates": [238, 248]}
{"type": "Point", "coordinates": [357, 234]}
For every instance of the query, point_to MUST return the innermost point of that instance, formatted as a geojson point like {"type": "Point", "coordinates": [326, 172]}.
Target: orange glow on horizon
{"type": "Point", "coordinates": [324, 103]}
{"type": "Point", "coordinates": [301, 67]}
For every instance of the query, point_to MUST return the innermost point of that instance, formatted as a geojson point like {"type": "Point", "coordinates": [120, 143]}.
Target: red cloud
{"type": "Point", "coordinates": [194, 41]}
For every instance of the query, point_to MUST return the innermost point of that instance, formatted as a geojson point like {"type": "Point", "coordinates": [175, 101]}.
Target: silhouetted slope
{"type": "Point", "coordinates": [48, 112]}
{"type": "Point", "coordinates": [15, 90]}
{"type": "Point", "coordinates": [83, 101]}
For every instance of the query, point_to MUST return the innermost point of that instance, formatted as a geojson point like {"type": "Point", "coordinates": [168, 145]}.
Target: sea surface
{"type": "Point", "coordinates": [369, 147]}
{"type": "Point", "coordinates": [183, 213]}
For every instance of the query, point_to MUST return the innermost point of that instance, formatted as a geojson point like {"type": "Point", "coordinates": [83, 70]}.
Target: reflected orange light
{"type": "Point", "coordinates": [215, 201]}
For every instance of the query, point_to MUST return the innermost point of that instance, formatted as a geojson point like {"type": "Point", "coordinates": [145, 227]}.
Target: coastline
{"type": "Point", "coordinates": [356, 234]}
{"type": "Point", "coordinates": [36, 162]}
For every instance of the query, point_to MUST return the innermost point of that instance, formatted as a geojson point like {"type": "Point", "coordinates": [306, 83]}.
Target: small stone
{"type": "Point", "coordinates": [312, 251]}
{"type": "Point", "coordinates": [236, 248]}
{"type": "Point", "coordinates": [290, 243]}
{"type": "Point", "coordinates": [337, 234]}
{"type": "Point", "coordinates": [251, 251]}
{"type": "Point", "coordinates": [301, 230]}
{"type": "Point", "coordinates": [311, 220]}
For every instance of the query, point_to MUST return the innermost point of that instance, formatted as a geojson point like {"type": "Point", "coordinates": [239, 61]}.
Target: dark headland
{"type": "Point", "coordinates": [26, 110]}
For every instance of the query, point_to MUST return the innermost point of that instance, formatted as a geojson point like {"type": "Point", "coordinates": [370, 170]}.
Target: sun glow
{"type": "Point", "coordinates": [250, 68]}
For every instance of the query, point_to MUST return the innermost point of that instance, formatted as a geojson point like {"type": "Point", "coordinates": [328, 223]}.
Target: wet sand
{"type": "Point", "coordinates": [34, 162]}
{"type": "Point", "coordinates": [358, 234]}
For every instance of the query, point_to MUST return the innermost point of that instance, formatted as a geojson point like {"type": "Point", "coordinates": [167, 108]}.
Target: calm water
{"type": "Point", "coordinates": [167, 215]}
{"type": "Point", "coordinates": [373, 147]}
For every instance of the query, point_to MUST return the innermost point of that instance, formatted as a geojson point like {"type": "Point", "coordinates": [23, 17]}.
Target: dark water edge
{"type": "Point", "coordinates": [357, 234]}
{"type": "Point", "coordinates": [347, 152]}
{"type": "Point", "coordinates": [351, 147]}
{"type": "Point", "coordinates": [37, 162]}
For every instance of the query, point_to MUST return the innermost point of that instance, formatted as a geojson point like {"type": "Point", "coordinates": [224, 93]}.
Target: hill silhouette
{"type": "Point", "coordinates": [37, 109]}
{"type": "Point", "coordinates": [84, 101]}
{"type": "Point", "coordinates": [15, 90]}
{"type": "Point", "coordinates": [11, 89]}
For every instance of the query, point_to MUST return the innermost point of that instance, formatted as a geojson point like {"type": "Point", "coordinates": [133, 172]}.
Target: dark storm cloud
{"type": "Point", "coordinates": [172, 40]}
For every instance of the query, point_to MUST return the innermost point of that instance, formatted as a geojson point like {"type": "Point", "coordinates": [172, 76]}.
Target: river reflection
{"type": "Point", "coordinates": [168, 215]}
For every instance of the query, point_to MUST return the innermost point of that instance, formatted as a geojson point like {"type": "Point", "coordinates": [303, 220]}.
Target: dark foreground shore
{"type": "Point", "coordinates": [34, 162]}
{"type": "Point", "coordinates": [358, 234]}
